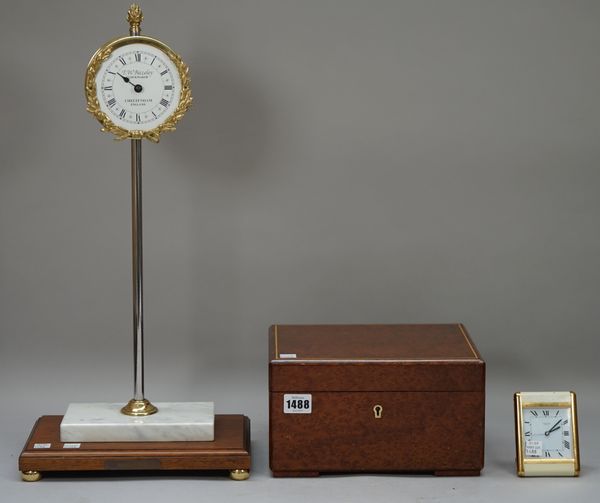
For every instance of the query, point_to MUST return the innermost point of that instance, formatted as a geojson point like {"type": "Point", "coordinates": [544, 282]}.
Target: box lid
{"type": "Point", "coordinates": [374, 358]}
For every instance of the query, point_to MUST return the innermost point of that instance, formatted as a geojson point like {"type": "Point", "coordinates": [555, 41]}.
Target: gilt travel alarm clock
{"type": "Point", "coordinates": [546, 431]}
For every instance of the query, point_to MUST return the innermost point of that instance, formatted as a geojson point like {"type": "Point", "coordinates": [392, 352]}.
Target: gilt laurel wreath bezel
{"type": "Point", "coordinates": [93, 105]}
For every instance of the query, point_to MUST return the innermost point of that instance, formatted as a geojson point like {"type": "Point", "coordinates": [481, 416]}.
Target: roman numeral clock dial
{"type": "Point", "coordinates": [137, 87]}
{"type": "Point", "coordinates": [547, 433]}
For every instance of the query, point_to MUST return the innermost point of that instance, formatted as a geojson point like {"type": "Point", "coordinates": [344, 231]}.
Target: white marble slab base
{"type": "Point", "coordinates": [104, 422]}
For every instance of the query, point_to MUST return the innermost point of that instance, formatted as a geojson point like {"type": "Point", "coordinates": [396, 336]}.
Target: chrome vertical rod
{"type": "Point", "coordinates": [137, 269]}
{"type": "Point", "coordinates": [138, 405]}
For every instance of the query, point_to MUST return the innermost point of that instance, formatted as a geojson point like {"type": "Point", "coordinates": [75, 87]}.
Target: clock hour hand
{"type": "Point", "coordinates": [126, 79]}
{"type": "Point", "coordinates": [554, 428]}
{"type": "Point", "coordinates": [136, 87]}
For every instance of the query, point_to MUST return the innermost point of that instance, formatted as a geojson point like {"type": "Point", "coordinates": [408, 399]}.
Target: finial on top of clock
{"type": "Point", "coordinates": [134, 18]}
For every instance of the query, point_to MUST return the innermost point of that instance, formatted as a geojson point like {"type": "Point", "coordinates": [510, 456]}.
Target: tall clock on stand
{"type": "Point", "coordinates": [137, 88]}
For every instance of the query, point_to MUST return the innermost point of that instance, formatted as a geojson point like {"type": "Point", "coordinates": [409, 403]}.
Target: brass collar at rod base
{"type": "Point", "coordinates": [138, 408]}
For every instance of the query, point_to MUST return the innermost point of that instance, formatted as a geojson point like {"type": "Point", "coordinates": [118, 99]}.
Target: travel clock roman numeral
{"type": "Point", "coordinates": [122, 60]}
{"type": "Point", "coordinates": [122, 113]}
{"type": "Point", "coordinates": [138, 57]}
{"type": "Point", "coordinates": [164, 71]}
{"type": "Point", "coordinates": [164, 103]}
{"type": "Point", "coordinates": [111, 102]}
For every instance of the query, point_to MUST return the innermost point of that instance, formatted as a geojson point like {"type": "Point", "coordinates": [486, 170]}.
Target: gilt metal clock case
{"type": "Point", "coordinates": [137, 87]}
{"type": "Point", "coordinates": [546, 431]}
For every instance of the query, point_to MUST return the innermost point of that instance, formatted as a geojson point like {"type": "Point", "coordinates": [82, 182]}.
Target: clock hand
{"type": "Point", "coordinates": [554, 428]}
{"type": "Point", "coordinates": [136, 87]}
{"type": "Point", "coordinates": [126, 79]}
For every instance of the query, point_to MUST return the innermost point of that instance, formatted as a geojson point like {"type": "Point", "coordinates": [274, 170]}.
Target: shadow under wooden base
{"type": "Point", "coordinates": [230, 450]}
{"type": "Point", "coordinates": [439, 473]}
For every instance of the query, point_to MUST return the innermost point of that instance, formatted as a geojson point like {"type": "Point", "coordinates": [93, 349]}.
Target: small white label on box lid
{"type": "Point", "coordinates": [297, 404]}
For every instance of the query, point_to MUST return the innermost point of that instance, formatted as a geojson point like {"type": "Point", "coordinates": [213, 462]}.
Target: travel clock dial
{"type": "Point", "coordinates": [547, 433]}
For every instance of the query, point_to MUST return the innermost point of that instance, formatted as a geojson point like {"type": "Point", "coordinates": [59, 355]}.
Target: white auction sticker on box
{"type": "Point", "coordinates": [297, 404]}
{"type": "Point", "coordinates": [71, 446]}
{"type": "Point", "coordinates": [533, 448]}
{"type": "Point", "coordinates": [42, 446]}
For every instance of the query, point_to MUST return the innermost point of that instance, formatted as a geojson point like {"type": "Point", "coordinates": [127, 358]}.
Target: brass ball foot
{"type": "Point", "coordinates": [31, 476]}
{"type": "Point", "coordinates": [239, 474]}
{"type": "Point", "coordinates": [138, 408]}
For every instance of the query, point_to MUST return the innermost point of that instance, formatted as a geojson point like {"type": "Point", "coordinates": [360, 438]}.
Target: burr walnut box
{"type": "Point", "coordinates": [375, 398]}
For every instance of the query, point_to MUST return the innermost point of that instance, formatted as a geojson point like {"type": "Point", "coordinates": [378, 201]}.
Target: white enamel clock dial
{"type": "Point", "coordinates": [547, 432]}
{"type": "Point", "coordinates": [138, 87]}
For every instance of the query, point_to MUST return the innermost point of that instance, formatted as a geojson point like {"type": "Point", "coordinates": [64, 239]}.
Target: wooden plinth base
{"type": "Point", "coordinates": [44, 452]}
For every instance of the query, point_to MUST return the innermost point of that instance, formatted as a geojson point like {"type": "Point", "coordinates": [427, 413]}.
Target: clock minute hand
{"type": "Point", "coordinates": [554, 428]}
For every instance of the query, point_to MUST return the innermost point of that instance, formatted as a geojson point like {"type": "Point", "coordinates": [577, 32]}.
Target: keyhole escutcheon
{"type": "Point", "coordinates": [377, 410]}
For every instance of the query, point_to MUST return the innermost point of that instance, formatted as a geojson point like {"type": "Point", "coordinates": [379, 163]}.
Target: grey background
{"type": "Point", "coordinates": [344, 161]}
